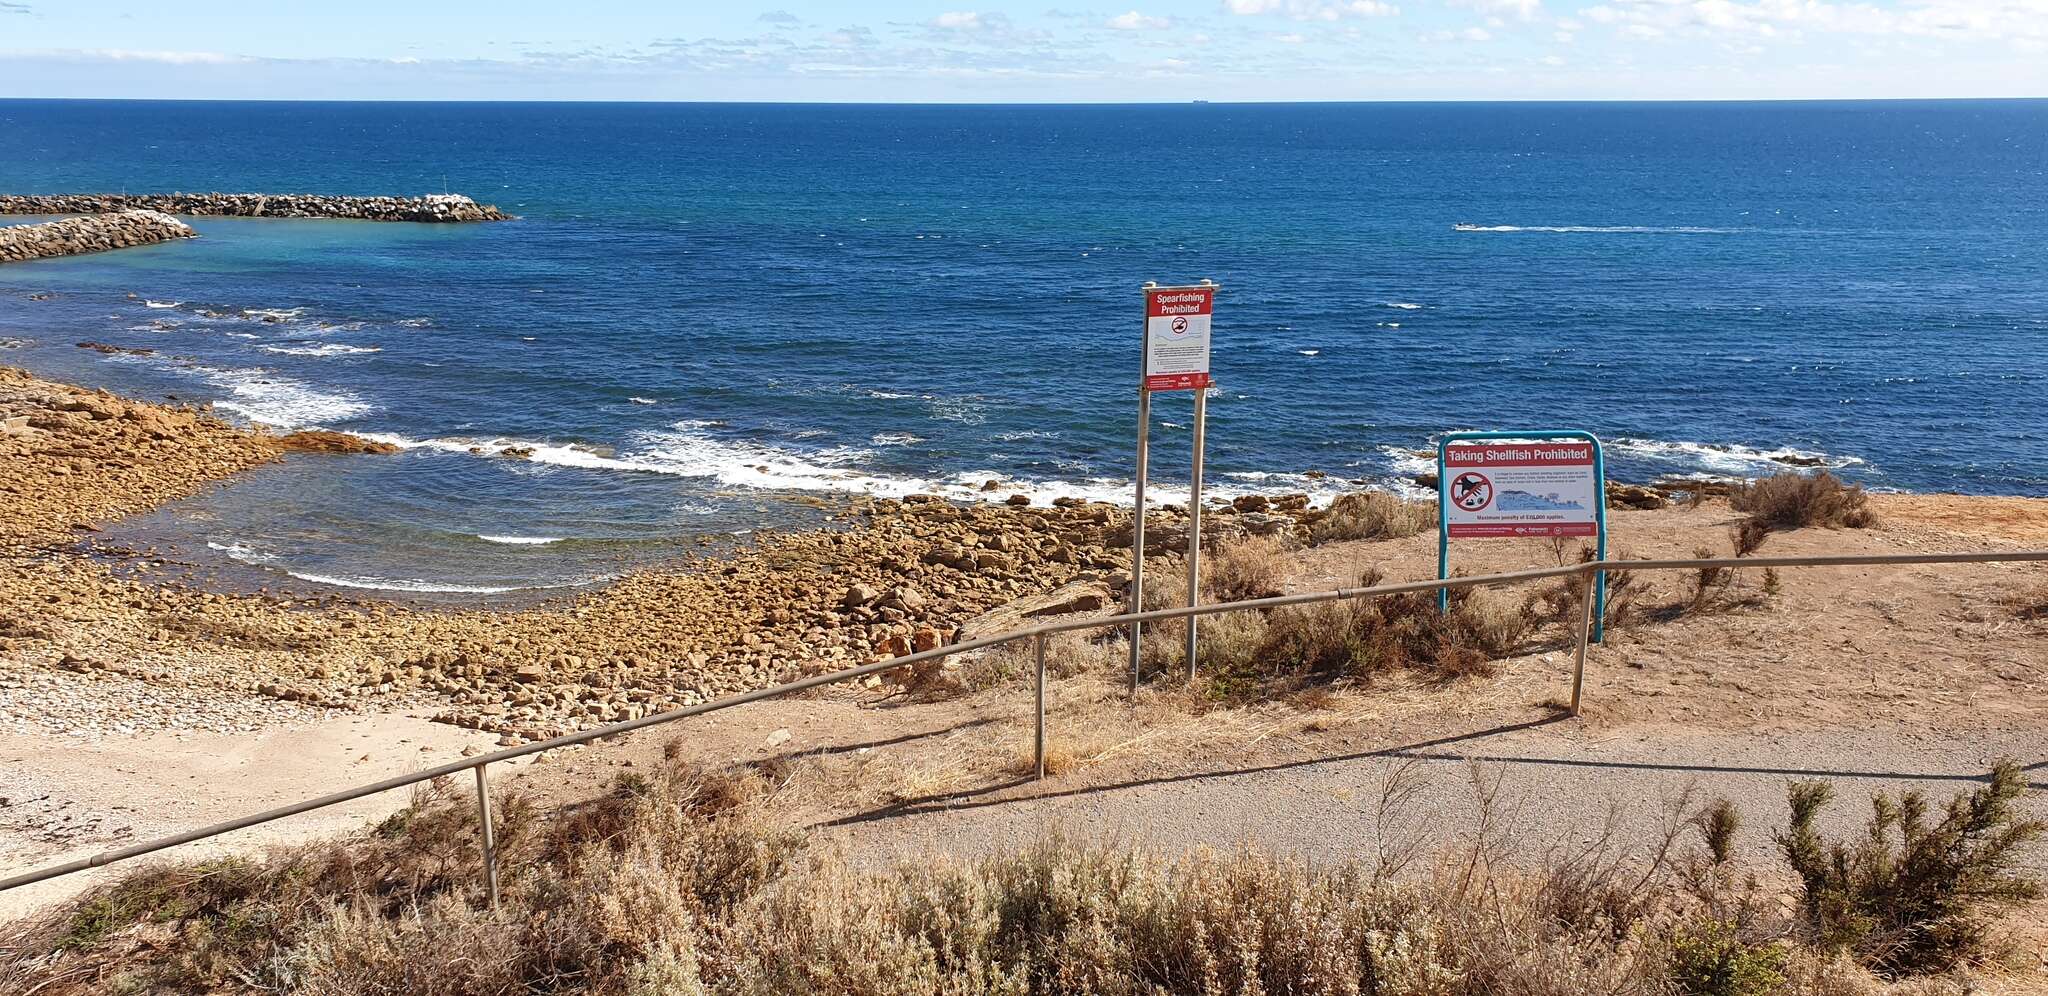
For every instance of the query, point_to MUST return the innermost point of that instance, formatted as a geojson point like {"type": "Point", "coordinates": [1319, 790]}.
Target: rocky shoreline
{"type": "Point", "coordinates": [96, 639]}
{"type": "Point", "coordinates": [119, 229]}
{"type": "Point", "coordinates": [430, 209]}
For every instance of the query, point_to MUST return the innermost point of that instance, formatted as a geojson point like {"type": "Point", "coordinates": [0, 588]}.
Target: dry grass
{"type": "Point", "coordinates": [1371, 515]}
{"type": "Point", "coordinates": [1254, 567]}
{"type": "Point", "coordinates": [1792, 500]}
{"type": "Point", "coordinates": [674, 883]}
{"type": "Point", "coordinates": [2030, 604]}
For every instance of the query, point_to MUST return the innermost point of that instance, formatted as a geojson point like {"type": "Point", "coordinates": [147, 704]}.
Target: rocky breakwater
{"type": "Point", "coordinates": [120, 229]}
{"type": "Point", "coordinates": [432, 209]}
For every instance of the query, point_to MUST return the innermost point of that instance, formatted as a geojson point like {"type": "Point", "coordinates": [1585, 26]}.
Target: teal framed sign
{"type": "Point", "coordinates": [1522, 483]}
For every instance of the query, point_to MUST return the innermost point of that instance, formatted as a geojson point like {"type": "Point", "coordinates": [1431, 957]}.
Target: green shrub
{"type": "Point", "coordinates": [1910, 896]}
{"type": "Point", "coordinates": [1711, 959]}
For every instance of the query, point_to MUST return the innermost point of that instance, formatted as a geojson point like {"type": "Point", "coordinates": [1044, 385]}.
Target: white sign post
{"type": "Point", "coordinates": [1176, 358]}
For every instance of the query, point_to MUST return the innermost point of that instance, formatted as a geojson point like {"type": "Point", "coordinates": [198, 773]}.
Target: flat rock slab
{"type": "Point", "coordinates": [1067, 599]}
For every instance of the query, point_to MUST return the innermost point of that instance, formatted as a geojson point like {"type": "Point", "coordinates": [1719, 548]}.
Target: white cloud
{"type": "Point", "coordinates": [1313, 10]}
{"type": "Point", "coordinates": [964, 20]}
{"type": "Point", "coordinates": [2019, 22]}
{"type": "Point", "coordinates": [850, 37]}
{"type": "Point", "coordinates": [168, 58]}
{"type": "Point", "coordinates": [1553, 61]}
{"type": "Point", "coordinates": [1466, 35]}
{"type": "Point", "coordinates": [1139, 21]}
{"type": "Point", "coordinates": [1525, 10]}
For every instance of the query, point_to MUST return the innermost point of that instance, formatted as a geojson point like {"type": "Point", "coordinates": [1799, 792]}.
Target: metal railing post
{"type": "Point", "coordinates": [483, 812]}
{"type": "Point", "coordinates": [1038, 650]}
{"type": "Point", "coordinates": [1585, 635]}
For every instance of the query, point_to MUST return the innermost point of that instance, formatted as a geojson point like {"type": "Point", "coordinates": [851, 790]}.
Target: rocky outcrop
{"type": "Point", "coordinates": [327, 441]}
{"type": "Point", "coordinates": [76, 236]}
{"type": "Point", "coordinates": [433, 208]}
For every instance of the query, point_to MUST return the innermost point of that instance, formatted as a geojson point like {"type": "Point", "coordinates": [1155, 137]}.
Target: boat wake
{"type": "Point", "coordinates": [1605, 229]}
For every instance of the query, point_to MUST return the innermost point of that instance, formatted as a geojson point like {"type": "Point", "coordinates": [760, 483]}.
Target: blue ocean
{"type": "Point", "coordinates": [708, 317]}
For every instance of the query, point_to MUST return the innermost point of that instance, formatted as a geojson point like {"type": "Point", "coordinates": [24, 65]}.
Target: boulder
{"type": "Point", "coordinates": [1633, 496]}
{"type": "Point", "coordinates": [1068, 599]}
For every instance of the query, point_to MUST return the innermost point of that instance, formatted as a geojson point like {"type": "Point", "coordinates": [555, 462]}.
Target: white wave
{"type": "Point", "coordinates": [643, 401]}
{"type": "Point", "coordinates": [889, 395]}
{"type": "Point", "coordinates": [1608, 229]}
{"type": "Point", "coordinates": [324, 349]}
{"type": "Point", "coordinates": [1728, 458]}
{"type": "Point", "coordinates": [416, 323]}
{"type": "Point", "coordinates": [242, 552]}
{"type": "Point", "coordinates": [273, 314]}
{"type": "Point", "coordinates": [967, 411]}
{"type": "Point", "coordinates": [423, 587]}
{"type": "Point", "coordinates": [262, 396]}
{"type": "Point", "coordinates": [1018, 435]}
{"type": "Point", "coordinates": [161, 304]}
{"type": "Point", "coordinates": [520, 540]}
{"type": "Point", "coordinates": [894, 439]}
{"type": "Point", "coordinates": [243, 335]}
{"type": "Point", "coordinates": [1404, 305]}
{"type": "Point", "coordinates": [1309, 352]}
{"type": "Point", "coordinates": [1409, 463]}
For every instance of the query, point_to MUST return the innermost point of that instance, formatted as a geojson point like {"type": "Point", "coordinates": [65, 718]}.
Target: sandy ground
{"type": "Point", "coordinates": [71, 800]}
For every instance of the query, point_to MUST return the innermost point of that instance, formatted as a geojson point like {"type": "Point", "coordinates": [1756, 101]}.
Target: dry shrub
{"type": "Point", "coordinates": [2031, 604]}
{"type": "Point", "coordinates": [1709, 584]}
{"type": "Point", "coordinates": [674, 884]}
{"type": "Point", "coordinates": [1748, 536]}
{"type": "Point", "coordinates": [1358, 638]}
{"type": "Point", "coordinates": [1557, 603]}
{"type": "Point", "coordinates": [1792, 500]}
{"type": "Point", "coordinates": [1063, 918]}
{"type": "Point", "coordinates": [1067, 654]}
{"type": "Point", "coordinates": [1371, 515]}
{"type": "Point", "coordinates": [597, 895]}
{"type": "Point", "coordinates": [1253, 567]}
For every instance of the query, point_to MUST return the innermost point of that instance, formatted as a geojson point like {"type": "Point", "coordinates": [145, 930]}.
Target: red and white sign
{"type": "Point", "coordinates": [1177, 337]}
{"type": "Point", "coordinates": [1492, 490]}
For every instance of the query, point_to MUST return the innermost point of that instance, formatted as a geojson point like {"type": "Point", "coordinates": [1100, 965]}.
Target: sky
{"type": "Point", "coordinates": [1002, 50]}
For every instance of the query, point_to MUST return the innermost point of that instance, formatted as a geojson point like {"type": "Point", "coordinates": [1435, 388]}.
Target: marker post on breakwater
{"type": "Point", "coordinates": [1521, 483]}
{"type": "Point", "coordinates": [1174, 356]}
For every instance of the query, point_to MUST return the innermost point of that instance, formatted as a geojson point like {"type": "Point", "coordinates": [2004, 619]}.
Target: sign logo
{"type": "Point", "coordinates": [1471, 491]}
{"type": "Point", "coordinates": [1180, 325]}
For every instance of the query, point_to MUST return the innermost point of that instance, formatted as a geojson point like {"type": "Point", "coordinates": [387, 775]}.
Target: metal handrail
{"type": "Point", "coordinates": [1587, 571]}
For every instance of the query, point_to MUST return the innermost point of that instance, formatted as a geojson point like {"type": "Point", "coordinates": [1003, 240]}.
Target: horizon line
{"type": "Point", "coordinates": [1193, 101]}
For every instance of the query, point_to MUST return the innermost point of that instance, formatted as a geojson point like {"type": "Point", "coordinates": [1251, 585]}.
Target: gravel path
{"type": "Point", "coordinates": [1551, 789]}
